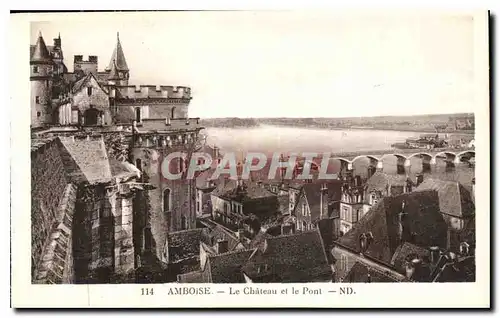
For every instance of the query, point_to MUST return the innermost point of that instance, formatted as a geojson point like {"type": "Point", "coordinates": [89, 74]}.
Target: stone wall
{"type": "Point", "coordinates": [40, 112]}
{"type": "Point", "coordinates": [48, 184]}
{"type": "Point", "coordinates": [151, 109]}
{"type": "Point", "coordinates": [182, 197]}
{"type": "Point", "coordinates": [105, 233]}
{"type": "Point", "coordinates": [99, 99]}
{"type": "Point", "coordinates": [56, 266]}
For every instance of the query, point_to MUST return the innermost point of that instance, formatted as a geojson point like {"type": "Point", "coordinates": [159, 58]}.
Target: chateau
{"type": "Point", "coordinates": [101, 210]}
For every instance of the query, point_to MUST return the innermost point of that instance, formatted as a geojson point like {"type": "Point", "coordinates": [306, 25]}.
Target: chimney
{"type": "Point", "coordinates": [401, 223]}
{"type": "Point", "coordinates": [363, 243]}
{"type": "Point", "coordinates": [434, 254]}
{"type": "Point", "coordinates": [324, 201]}
{"type": "Point", "coordinates": [464, 249]}
{"type": "Point", "coordinates": [222, 246]}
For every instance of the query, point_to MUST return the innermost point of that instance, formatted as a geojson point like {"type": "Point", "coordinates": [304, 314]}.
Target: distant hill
{"type": "Point", "coordinates": [442, 122]}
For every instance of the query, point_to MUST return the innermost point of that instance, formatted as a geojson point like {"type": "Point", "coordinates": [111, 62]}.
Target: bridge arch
{"type": "Point", "coordinates": [460, 154]}
{"type": "Point", "coordinates": [397, 155]}
{"type": "Point", "coordinates": [371, 157]}
{"type": "Point", "coordinates": [428, 155]}
{"type": "Point", "coordinates": [342, 160]}
{"type": "Point", "coordinates": [447, 153]}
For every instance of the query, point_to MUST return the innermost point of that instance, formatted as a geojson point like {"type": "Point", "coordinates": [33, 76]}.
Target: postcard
{"type": "Point", "coordinates": [199, 159]}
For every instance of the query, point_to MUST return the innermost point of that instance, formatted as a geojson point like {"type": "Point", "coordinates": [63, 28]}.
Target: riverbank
{"type": "Point", "coordinates": [405, 129]}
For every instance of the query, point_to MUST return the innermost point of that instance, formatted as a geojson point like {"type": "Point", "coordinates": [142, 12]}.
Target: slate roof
{"type": "Point", "coordinates": [57, 254]}
{"type": "Point", "coordinates": [454, 199]}
{"type": "Point", "coordinates": [229, 190]}
{"type": "Point", "coordinates": [85, 160]}
{"type": "Point", "coordinates": [406, 252]}
{"type": "Point", "coordinates": [183, 245]}
{"type": "Point", "coordinates": [40, 53]}
{"type": "Point", "coordinates": [380, 180]}
{"type": "Point", "coordinates": [290, 258]}
{"type": "Point", "coordinates": [259, 239]}
{"type": "Point", "coordinates": [118, 57]}
{"type": "Point", "coordinates": [463, 270]}
{"type": "Point", "coordinates": [79, 84]}
{"type": "Point", "coordinates": [423, 224]}
{"type": "Point", "coordinates": [113, 73]}
{"type": "Point", "coordinates": [362, 273]}
{"type": "Point", "coordinates": [220, 233]}
{"type": "Point", "coordinates": [312, 191]}
{"type": "Point", "coordinates": [226, 267]}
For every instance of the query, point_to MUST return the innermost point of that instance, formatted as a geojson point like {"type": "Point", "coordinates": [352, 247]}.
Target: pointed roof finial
{"type": "Point", "coordinates": [118, 56]}
{"type": "Point", "coordinates": [113, 74]}
{"type": "Point", "coordinates": [40, 52]}
{"type": "Point", "coordinates": [59, 35]}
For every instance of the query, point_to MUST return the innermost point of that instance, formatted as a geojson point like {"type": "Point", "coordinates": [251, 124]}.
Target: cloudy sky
{"type": "Point", "coordinates": [287, 64]}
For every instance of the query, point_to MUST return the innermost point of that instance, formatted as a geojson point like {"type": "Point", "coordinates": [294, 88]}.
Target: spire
{"type": "Point", "coordinates": [113, 73]}
{"type": "Point", "coordinates": [118, 57]}
{"type": "Point", "coordinates": [40, 53]}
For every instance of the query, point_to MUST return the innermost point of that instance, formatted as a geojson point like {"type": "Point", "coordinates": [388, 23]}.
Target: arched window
{"type": "Point", "coordinates": [166, 200]}
{"type": "Point", "coordinates": [173, 113]}
{"type": "Point", "coordinates": [138, 114]}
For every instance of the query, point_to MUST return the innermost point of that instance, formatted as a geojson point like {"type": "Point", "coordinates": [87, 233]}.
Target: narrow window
{"type": "Point", "coordinates": [166, 200]}
{"type": "Point", "coordinates": [37, 99]}
{"type": "Point", "coordinates": [38, 114]}
{"type": "Point", "coordinates": [89, 91]}
{"type": "Point", "coordinates": [183, 222]}
{"type": "Point", "coordinates": [172, 115]}
{"type": "Point", "coordinates": [138, 115]}
{"type": "Point", "coordinates": [138, 164]}
{"type": "Point", "coordinates": [35, 69]}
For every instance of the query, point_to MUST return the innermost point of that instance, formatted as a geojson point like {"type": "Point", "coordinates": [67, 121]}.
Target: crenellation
{"type": "Point", "coordinates": [154, 91]}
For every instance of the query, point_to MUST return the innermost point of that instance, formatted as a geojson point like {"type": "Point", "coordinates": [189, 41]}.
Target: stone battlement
{"type": "Point", "coordinates": [91, 59]}
{"type": "Point", "coordinates": [154, 91]}
{"type": "Point", "coordinates": [168, 124]}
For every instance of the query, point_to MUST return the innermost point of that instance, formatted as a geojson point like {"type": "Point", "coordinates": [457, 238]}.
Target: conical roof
{"type": "Point", "coordinates": [113, 74]}
{"type": "Point", "coordinates": [118, 57]}
{"type": "Point", "coordinates": [40, 53]}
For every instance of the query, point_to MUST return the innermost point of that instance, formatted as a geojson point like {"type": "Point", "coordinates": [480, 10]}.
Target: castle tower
{"type": "Point", "coordinates": [119, 62]}
{"type": "Point", "coordinates": [41, 68]}
{"type": "Point", "coordinates": [58, 57]}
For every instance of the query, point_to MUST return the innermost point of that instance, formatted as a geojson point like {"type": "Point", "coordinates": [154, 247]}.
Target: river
{"type": "Point", "coordinates": [269, 139]}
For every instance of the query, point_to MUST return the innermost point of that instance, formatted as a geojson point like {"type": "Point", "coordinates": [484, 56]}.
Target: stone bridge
{"type": "Point", "coordinates": [428, 156]}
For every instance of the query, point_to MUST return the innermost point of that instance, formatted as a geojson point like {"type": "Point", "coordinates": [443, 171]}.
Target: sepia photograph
{"type": "Point", "coordinates": [255, 148]}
